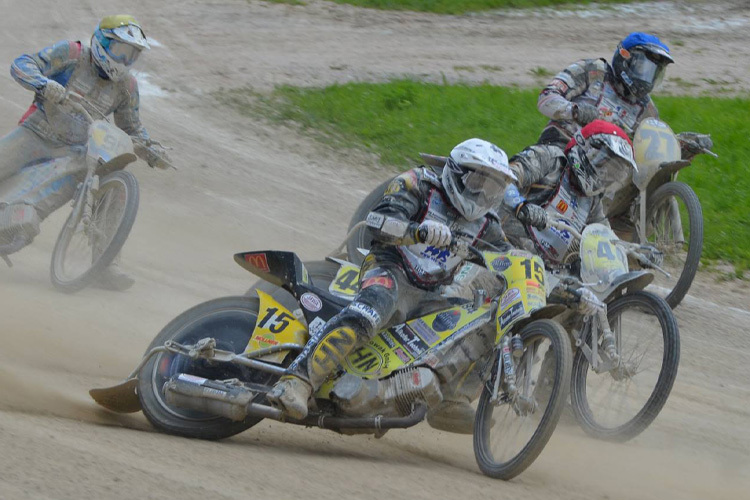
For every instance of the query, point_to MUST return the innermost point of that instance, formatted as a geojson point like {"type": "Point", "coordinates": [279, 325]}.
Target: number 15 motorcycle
{"type": "Point", "coordinates": [206, 374]}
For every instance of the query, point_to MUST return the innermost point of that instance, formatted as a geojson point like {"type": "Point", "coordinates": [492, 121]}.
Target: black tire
{"type": "Point", "coordinates": [230, 320]}
{"type": "Point", "coordinates": [652, 307]}
{"type": "Point", "coordinates": [694, 241]}
{"type": "Point", "coordinates": [116, 232]}
{"type": "Point", "coordinates": [558, 394]}
{"type": "Point", "coordinates": [321, 273]}
{"type": "Point", "coordinates": [363, 238]}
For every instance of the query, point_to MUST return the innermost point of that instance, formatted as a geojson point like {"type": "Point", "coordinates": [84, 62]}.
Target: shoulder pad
{"type": "Point", "coordinates": [429, 174]}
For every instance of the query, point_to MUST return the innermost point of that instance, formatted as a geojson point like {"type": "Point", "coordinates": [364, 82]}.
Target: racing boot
{"type": "Point", "coordinates": [113, 278]}
{"type": "Point", "coordinates": [452, 416]}
{"type": "Point", "coordinates": [308, 372]}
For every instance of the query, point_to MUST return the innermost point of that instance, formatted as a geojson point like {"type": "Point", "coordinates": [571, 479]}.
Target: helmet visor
{"type": "Point", "coordinates": [646, 67]}
{"type": "Point", "coordinates": [123, 53]}
{"type": "Point", "coordinates": [483, 188]}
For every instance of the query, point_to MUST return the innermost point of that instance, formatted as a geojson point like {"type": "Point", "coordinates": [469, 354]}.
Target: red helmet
{"type": "Point", "coordinates": [598, 146]}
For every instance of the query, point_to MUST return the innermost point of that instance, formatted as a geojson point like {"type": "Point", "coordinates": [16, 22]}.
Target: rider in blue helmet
{"type": "Point", "coordinates": [640, 62]}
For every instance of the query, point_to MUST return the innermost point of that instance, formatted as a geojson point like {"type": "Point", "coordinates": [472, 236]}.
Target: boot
{"type": "Point", "coordinates": [292, 392]}
{"type": "Point", "coordinates": [113, 278]}
{"type": "Point", "coordinates": [452, 416]}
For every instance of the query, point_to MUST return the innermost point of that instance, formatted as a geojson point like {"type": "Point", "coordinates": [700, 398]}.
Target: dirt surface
{"type": "Point", "coordinates": [246, 185]}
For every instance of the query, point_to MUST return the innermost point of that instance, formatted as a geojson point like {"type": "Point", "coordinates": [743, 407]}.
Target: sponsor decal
{"type": "Point", "coordinates": [510, 296]}
{"type": "Point", "coordinates": [508, 316]}
{"type": "Point", "coordinates": [416, 379]}
{"type": "Point", "coordinates": [258, 261]}
{"type": "Point", "coordinates": [366, 311]}
{"type": "Point", "coordinates": [446, 320]}
{"type": "Point", "coordinates": [375, 220]}
{"type": "Point", "coordinates": [409, 340]}
{"type": "Point", "coordinates": [532, 284]}
{"type": "Point", "coordinates": [383, 281]}
{"type": "Point", "coordinates": [311, 302]}
{"type": "Point", "coordinates": [438, 255]}
{"type": "Point", "coordinates": [388, 339]}
{"type": "Point", "coordinates": [520, 253]}
{"type": "Point", "coordinates": [562, 207]}
{"type": "Point", "coordinates": [365, 360]}
{"type": "Point", "coordinates": [424, 331]}
{"type": "Point", "coordinates": [332, 348]}
{"type": "Point", "coordinates": [500, 264]}
{"type": "Point", "coordinates": [431, 360]}
{"type": "Point", "coordinates": [266, 340]}
{"type": "Point", "coordinates": [560, 86]}
{"type": "Point", "coordinates": [471, 325]}
{"type": "Point", "coordinates": [316, 326]}
{"type": "Point", "coordinates": [402, 355]}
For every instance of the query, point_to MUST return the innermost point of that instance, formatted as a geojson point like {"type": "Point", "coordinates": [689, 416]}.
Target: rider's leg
{"type": "Point", "coordinates": [372, 309]}
{"type": "Point", "coordinates": [21, 147]}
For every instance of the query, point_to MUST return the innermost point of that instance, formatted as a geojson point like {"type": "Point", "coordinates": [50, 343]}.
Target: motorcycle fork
{"type": "Point", "coordinates": [506, 370]}
{"type": "Point", "coordinates": [605, 357]}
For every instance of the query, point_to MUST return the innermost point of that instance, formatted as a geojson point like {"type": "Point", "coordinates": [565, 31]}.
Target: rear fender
{"type": "Point", "coordinates": [283, 269]}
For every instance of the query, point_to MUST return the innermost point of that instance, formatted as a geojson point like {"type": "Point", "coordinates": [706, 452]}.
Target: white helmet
{"type": "Point", "coordinates": [116, 45]}
{"type": "Point", "coordinates": [475, 177]}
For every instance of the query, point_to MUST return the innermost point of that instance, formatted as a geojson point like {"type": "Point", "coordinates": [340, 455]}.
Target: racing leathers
{"type": "Point", "coordinates": [48, 130]}
{"type": "Point", "coordinates": [589, 82]}
{"type": "Point", "coordinates": [398, 276]}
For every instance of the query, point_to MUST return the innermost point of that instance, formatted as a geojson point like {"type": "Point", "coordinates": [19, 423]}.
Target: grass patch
{"type": "Point", "coordinates": [399, 119]}
{"type": "Point", "coordinates": [463, 6]}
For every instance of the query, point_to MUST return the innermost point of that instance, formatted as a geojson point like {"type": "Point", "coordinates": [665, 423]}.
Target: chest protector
{"type": "Point", "coordinates": [428, 265]}
{"type": "Point", "coordinates": [573, 209]}
{"type": "Point", "coordinates": [611, 106]}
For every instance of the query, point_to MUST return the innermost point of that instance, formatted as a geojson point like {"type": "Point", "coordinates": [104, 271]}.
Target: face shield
{"type": "Point", "coordinates": [646, 68]}
{"type": "Point", "coordinates": [475, 191]}
{"type": "Point", "coordinates": [122, 52]}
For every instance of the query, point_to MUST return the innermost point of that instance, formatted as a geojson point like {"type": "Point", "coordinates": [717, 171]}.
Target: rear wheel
{"type": "Point", "coordinates": [229, 320]}
{"type": "Point", "coordinates": [363, 238]}
{"type": "Point", "coordinates": [675, 226]}
{"type": "Point", "coordinates": [510, 434]}
{"type": "Point", "coordinates": [86, 247]}
{"type": "Point", "coordinates": [620, 403]}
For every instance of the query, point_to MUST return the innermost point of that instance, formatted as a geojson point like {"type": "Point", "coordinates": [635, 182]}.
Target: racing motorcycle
{"type": "Point", "coordinates": [628, 351]}
{"type": "Point", "coordinates": [206, 374]}
{"type": "Point", "coordinates": [103, 196]}
{"type": "Point", "coordinates": [650, 206]}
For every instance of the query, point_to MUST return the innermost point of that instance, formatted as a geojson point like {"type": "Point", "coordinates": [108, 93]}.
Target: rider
{"type": "Point", "coordinates": [592, 89]}
{"type": "Point", "coordinates": [410, 258]}
{"type": "Point", "coordinates": [100, 73]}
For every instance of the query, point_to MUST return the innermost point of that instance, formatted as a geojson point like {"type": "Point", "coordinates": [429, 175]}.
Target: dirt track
{"type": "Point", "coordinates": [245, 185]}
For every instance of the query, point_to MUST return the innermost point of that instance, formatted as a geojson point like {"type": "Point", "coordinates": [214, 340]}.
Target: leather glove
{"type": "Point", "coordinates": [435, 233]}
{"type": "Point", "coordinates": [694, 143]}
{"type": "Point", "coordinates": [154, 154]}
{"type": "Point", "coordinates": [533, 215]}
{"type": "Point", "coordinates": [652, 254]}
{"type": "Point", "coordinates": [589, 304]}
{"type": "Point", "coordinates": [53, 92]}
{"type": "Point", "coordinates": [584, 113]}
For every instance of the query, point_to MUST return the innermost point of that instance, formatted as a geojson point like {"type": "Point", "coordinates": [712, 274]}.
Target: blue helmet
{"type": "Point", "coordinates": [640, 61]}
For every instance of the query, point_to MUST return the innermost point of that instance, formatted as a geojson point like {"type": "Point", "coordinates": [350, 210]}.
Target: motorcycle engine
{"type": "Point", "coordinates": [390, 397]}
{"type": "Point", "coordinates": [19, 224]}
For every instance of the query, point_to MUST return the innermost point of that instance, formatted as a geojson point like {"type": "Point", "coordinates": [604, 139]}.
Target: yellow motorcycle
{"type": "Point", "coordinates": [207, 372]}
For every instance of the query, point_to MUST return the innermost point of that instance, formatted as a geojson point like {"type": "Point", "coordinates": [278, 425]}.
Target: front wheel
{"type": "Point", "coordinates": [617, 404]}
{"type": "Point", "coordinates": [363, 238]}
{"type": "Point", "coordinates": [86, 247]}
{"type": "Point", "coordinates": [675, 226]}
{"type": "Point", "coordinates": [511, 432]}
{"type": "Point", "coordinates": [229, 320]}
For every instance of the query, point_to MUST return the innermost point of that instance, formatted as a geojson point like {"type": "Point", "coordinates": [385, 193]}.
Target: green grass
{"type": "Point", "coordinates": [463, 6]}
{"type": "Point", "coordinates": [399, 119]}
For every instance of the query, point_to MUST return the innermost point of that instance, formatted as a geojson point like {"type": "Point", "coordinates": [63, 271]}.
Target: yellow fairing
{"type": "Point", "coordinates": [275, 325]}
{"type": "Point", "coordinates": [654, 143]}
{"type": "Point", "coordinates": [525, 293]}
{"type": "Point", "coordinates": [346, 283]}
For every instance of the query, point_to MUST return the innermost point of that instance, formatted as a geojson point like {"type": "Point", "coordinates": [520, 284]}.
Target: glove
{"type": "Point", "coordinates": [652, 254]}
{"type": "Point", "coordinates": [435, 233]}
{"type": "Point", "coordinates": [694, 143]}
{"type": "Point", "coordinates": [589, 304]}
{"type": "Point", "coordinates": [533, 215]}
{"type": "Point", "coordinates": [584, 113]}
{"type": "Point", "coordinates": [53, 92]}
{"type": "Point", "coordinates": [155, 155]}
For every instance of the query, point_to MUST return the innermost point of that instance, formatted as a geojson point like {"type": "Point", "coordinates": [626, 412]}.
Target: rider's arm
{"type": "Point", "coordinates": [596, 214]}
{"type": "Point", "coordinates": [555, 99]}
{"type": "Point", "coordinates": [391, 221]}
{"type": "Point", "coordinates": [55, 62]}
{"type": "Point", "coordinates": [534, 164]}
{"type": "Point", "coordinates": [126, 114]}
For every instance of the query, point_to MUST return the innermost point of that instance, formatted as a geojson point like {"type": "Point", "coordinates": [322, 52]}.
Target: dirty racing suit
{"type": "Point", "coordinates": [399, 275]}
{"type": "Point", "coordinates": [47, 131]}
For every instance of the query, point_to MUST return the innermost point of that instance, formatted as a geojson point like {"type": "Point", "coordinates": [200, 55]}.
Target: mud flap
{"type": "Point", "coordinates": [120, 398]}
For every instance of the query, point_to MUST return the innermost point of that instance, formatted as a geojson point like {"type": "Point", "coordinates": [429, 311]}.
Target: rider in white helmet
{"type": "Point", "coordinates": [409, 261]}
{"type": "Point", "coordinates": [101, 74]}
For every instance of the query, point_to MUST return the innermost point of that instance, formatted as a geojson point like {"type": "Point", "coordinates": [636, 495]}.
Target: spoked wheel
{"type": "Point", "coordinates": [510, 434]}
{"type": "Point", "coordinates": [675, 226]}
{"type": "Point", "coordinates": [321, 273]}
{"type": "Point", "coordinates": [86, 247]}
{"type": "Point", "coordinates": [363, 237]}
{"type": "Point", "coordinates": [229, 320]}
{"type": "Point", "coordinates": [617, 404]}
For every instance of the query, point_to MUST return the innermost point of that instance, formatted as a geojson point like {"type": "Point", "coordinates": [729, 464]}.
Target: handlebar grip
{"type": "Point", "coordinates": [421, 234]}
